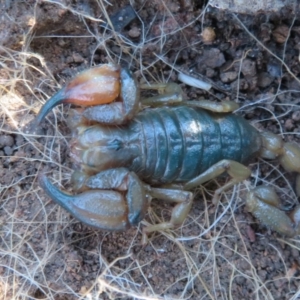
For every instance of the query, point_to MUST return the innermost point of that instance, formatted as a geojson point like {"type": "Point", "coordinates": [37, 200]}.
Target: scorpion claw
{"type": "Point", "coordinates": [57, 99]}
{"type": "Point", "coordinates": [118, 112]}
{"type": "Point", "coordinates": [103, 209]}
{"type": "Point", "coordinates": [99, 85]}
{"type": "Point", "coordinates": [116, 201]}
{"type": "Point", "coordinates": [123, 180]}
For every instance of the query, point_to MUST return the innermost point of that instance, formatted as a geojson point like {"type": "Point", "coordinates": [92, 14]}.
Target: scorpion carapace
{"type": "Point", "coordinates": [128, 153]}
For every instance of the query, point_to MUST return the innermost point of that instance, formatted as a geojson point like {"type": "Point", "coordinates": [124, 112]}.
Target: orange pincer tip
{"type": "Point", "coordinates": [99, 85]}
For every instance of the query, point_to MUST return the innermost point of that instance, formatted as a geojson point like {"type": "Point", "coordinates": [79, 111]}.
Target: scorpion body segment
{"type": "Point", "coordinates": [128, 155]}
{"type": "Point", "coordinates": [168, 145]}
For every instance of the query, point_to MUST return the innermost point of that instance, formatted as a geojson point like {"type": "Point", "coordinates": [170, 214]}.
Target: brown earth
{"type": "Point", "coordinates": [220, 252]}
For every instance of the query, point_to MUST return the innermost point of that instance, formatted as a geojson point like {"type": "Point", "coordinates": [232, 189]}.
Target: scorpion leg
{"type": "Point", "coordinates": [236, 170]}
{"type": "Point", "coordinates": [263, 201]}
{"type": "Point", "coordinates": [172, 93]}
{"type": "Point", "coordinates": [169, 93]}
{"type": "Point", "coordinates": [219, 107]}
{"type": "Point", "coordinates": [116, 200]}
{"type": "Point", "coordinates": [184, 202]}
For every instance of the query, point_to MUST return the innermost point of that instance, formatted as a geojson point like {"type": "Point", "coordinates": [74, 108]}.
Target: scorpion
{"type": "Point", "coordinates": [129, 150]}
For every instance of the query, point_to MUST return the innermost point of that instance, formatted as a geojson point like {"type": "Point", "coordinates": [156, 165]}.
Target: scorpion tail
{"type": "Point", "coordinates": [105, 210]}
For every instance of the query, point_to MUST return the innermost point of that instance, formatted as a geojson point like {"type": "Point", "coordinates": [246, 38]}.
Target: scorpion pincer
{"type": "Point", "coordinates": [128, 154]}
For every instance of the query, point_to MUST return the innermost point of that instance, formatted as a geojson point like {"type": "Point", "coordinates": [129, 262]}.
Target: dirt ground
{"type": "Point", "coordinates": [220, 252]}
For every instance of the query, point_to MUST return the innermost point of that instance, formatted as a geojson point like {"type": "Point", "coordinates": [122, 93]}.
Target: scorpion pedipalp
{"type": "Point", "coordinates": [118, 112]}
{"type": "Point", "coordinates": [98, 85]}
{"type": "Point", "coordinates": [116, 201]}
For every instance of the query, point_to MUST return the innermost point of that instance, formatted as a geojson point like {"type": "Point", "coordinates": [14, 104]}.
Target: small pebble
{"type": "Point", "coordinates": [77, 58]}
{"type": "Point", "coordinates": [213, 58]}
{"type": "Point", "coordinates": [281, 33]}
{"type": "Point", "coordinates": [274, 70]}
{"type": "Point", "coordinates": [210, 72]}
{"type": "Point", "coordinates": [248, 68]}
{"type": "Point", "coordinates": [134, 32]}
{"type": "Point", "coordinates": [208, 35]}
{"type": "Point", "coordinates": [8, 150]}
{"type": "Point", "coordinates": [289, 124]}
{"type": "Point", "coordinates": [228, 76]}
{"type": "Point", "coordinates": [19, 140]}
{"type": "Point", "coordinates": [6, 140]}
{"type": "Point", "coordinates": [251, 234]}
{"type": "Point", "coordinates": [296, 116]}
{"type": "Point", "coordinates": [264, 79]}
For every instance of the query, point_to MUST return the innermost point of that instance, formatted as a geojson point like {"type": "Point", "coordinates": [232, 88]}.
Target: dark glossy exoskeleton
{"type": "Point", "coordinates": [128, 154]}
{"type": "Point", "coordinates": [168, 145]}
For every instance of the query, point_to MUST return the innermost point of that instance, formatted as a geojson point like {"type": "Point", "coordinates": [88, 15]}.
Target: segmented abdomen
{"type": "Point", "coordinates": [180, 143]}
